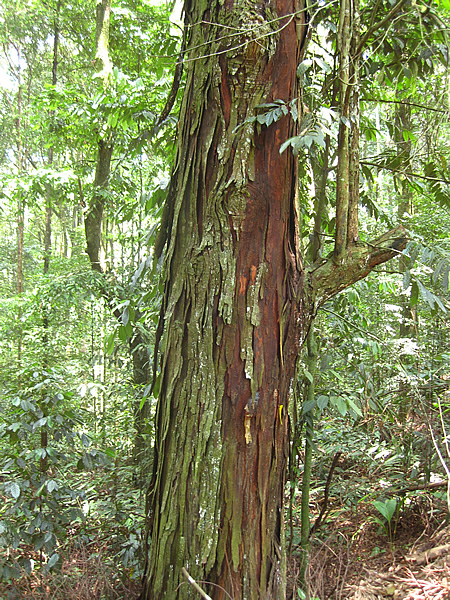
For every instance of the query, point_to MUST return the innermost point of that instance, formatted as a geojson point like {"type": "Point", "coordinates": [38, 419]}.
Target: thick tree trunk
{"type": "Point", "coordinates": [238, 303]}
{"type": "Point", "coordinates": [230, 301]}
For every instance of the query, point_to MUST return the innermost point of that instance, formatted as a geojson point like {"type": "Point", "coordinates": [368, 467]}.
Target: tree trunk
{"type": "Point", "coordinates": [93, 222]}
{"type": "Point", "coordinates": [20, 209]}
{"type": "Point", "coordinates": [238, 303]}
{"type": "Point", "coordinates": [48, 240]}
{"type": "Point", "coordinates": [94, 216]}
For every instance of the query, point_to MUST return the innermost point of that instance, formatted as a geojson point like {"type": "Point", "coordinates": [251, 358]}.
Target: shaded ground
{"type": "Point", "coordinates": [87, 574]}
{"type": "Point", "coordinates": [353, 558]}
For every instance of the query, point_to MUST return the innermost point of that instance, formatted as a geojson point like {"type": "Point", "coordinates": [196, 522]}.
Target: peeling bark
{"type": "Point", "coordinates": [237, 306]}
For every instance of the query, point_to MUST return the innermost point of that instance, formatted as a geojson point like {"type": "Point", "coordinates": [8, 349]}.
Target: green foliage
{"type": "Point", "coordinates": [67, 442]}
{"type": "Point", "coordinates": [39, 505]}
{"type": "Point", "coordinates": [49, 490]}
{"type": "Point", "coordinates": [389, 510]}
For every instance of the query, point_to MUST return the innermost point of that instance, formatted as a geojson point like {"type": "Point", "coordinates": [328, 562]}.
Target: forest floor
{"type": "Point", "coordinates": [356, 558]}
{"type": "Point", "coordinates": [86, 573]}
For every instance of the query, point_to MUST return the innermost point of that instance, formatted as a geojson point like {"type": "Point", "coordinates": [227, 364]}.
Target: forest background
{"type": "Point", "coordinates": [89, 109]}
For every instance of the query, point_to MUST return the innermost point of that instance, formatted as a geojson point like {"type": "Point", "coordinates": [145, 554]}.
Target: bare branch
{"type": "Point", "coordinates": [328, 277]}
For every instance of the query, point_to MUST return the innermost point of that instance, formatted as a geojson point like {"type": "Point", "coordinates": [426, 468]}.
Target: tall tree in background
{"type": "Point", "coordinates": [239, 300]}
{"type": "Point", "coordinates": [105, 145]}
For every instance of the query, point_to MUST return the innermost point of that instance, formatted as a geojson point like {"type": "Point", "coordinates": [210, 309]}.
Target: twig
{"type": "Point", "coordinates": [327, 490]}
{"type": "Point", "coordinates": [195, 585]}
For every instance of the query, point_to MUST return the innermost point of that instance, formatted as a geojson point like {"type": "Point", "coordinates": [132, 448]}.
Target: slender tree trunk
{"type": "Point", "coordinates": [20, 207]}
{"type": "Point", "coordinates": [94, 218]}
{"type": "Point", "coordinates": [343, 171]}
{"type": "Point", "coordinates": [105, 146]}
{"type": "Point", "coordinates": [406, 329]}
{"type": "Point", "coordinates": [238, 303]}
{"type": "Point", "coordinates": [48, 238]}
{"type": "Point", "coordinates": [321, 173]}
{"type": "Point", "coordinates": [402, 124]}
{"type": "Point", "coordinates": [353, 159]}
{"type": "Point", "coordinates": [311, 362]}
{"type": "Point", "coordinates": [347, 178]}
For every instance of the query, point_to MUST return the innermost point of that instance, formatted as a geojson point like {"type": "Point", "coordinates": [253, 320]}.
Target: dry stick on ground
{"type": "Point", "coordinates": [415, 488]}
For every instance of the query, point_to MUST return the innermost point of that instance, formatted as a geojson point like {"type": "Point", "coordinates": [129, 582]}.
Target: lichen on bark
{"type": "Point", "coordinates": [237, 305]}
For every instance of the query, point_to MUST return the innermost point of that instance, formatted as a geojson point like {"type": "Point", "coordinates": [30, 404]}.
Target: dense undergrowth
{"type": "Point", "coordinates": [82, 535]}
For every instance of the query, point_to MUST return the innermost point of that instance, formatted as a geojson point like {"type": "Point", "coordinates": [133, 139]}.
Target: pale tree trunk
{"type": "Point", "coordinates": [238, 303]}
{"type": "Point", "coordinates": [20, 206]}
{"type": "Point", "coordinates": [48, 238]}
{"type": "Point", "coordinates": [93, 222]}
{"type": "Point", "coordinates": [404, 208]}
{"type": "Point", "coordinates": [347, 179]}
{"type": "Point", "coordinates": [105, 146]}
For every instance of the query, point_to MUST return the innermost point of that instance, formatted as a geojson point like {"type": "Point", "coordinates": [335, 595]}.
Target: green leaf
{"type": "Point", "coordinates": [303, 67]}
{"type": "Point", "coordinates": [414, 294]}
{"type": "Point", "coordinates": [87, 461]}
{"type": "Point", "coordinates": [110, 343]}
{"type": "Point", "coordinates": [13, 489]}
{"type": "Point", "coordinates": [322, 401]}
{"type": "Point", "coordinates": [406, 279]}
{"type": "Point", "coordinates": [112, 120]}
{"type": "Point", "coordinates": [308, 376]}
{"type": "Point", "coordinates": [439, 269]}
{"type": "Point", "coordinates": [52, 561]}
{"type": "Point", "coordinates": [341, 405]}
{"type": "Point", "coordinates": [325, 66]}
{"type": "Point", "coordinates": [286, 144]}
{"type": "Point", "coordinates": [157, 386]}
{"type": "Point", "coordinates": [122, 333]}
{"type": "Point", "coordinates": [355, 408]}
{"type": "Point", "coordinates": [40, 423]}
{"type": "Point", "coordinates": [52, 485]}
{"type": "Point", "coordinates": [308, 406]}
{"type": "Point", "coordinates": [26, 405]}
{"type": "Point", "coordinates": [387, 508]}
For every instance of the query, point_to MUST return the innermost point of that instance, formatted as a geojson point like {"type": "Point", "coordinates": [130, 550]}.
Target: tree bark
{"type": "Point", "coordinates": [238, 303]}
{"type": "Point", "coordinates": [48, 239]}
{"type": "Point", "coordinates": [94, 216]}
